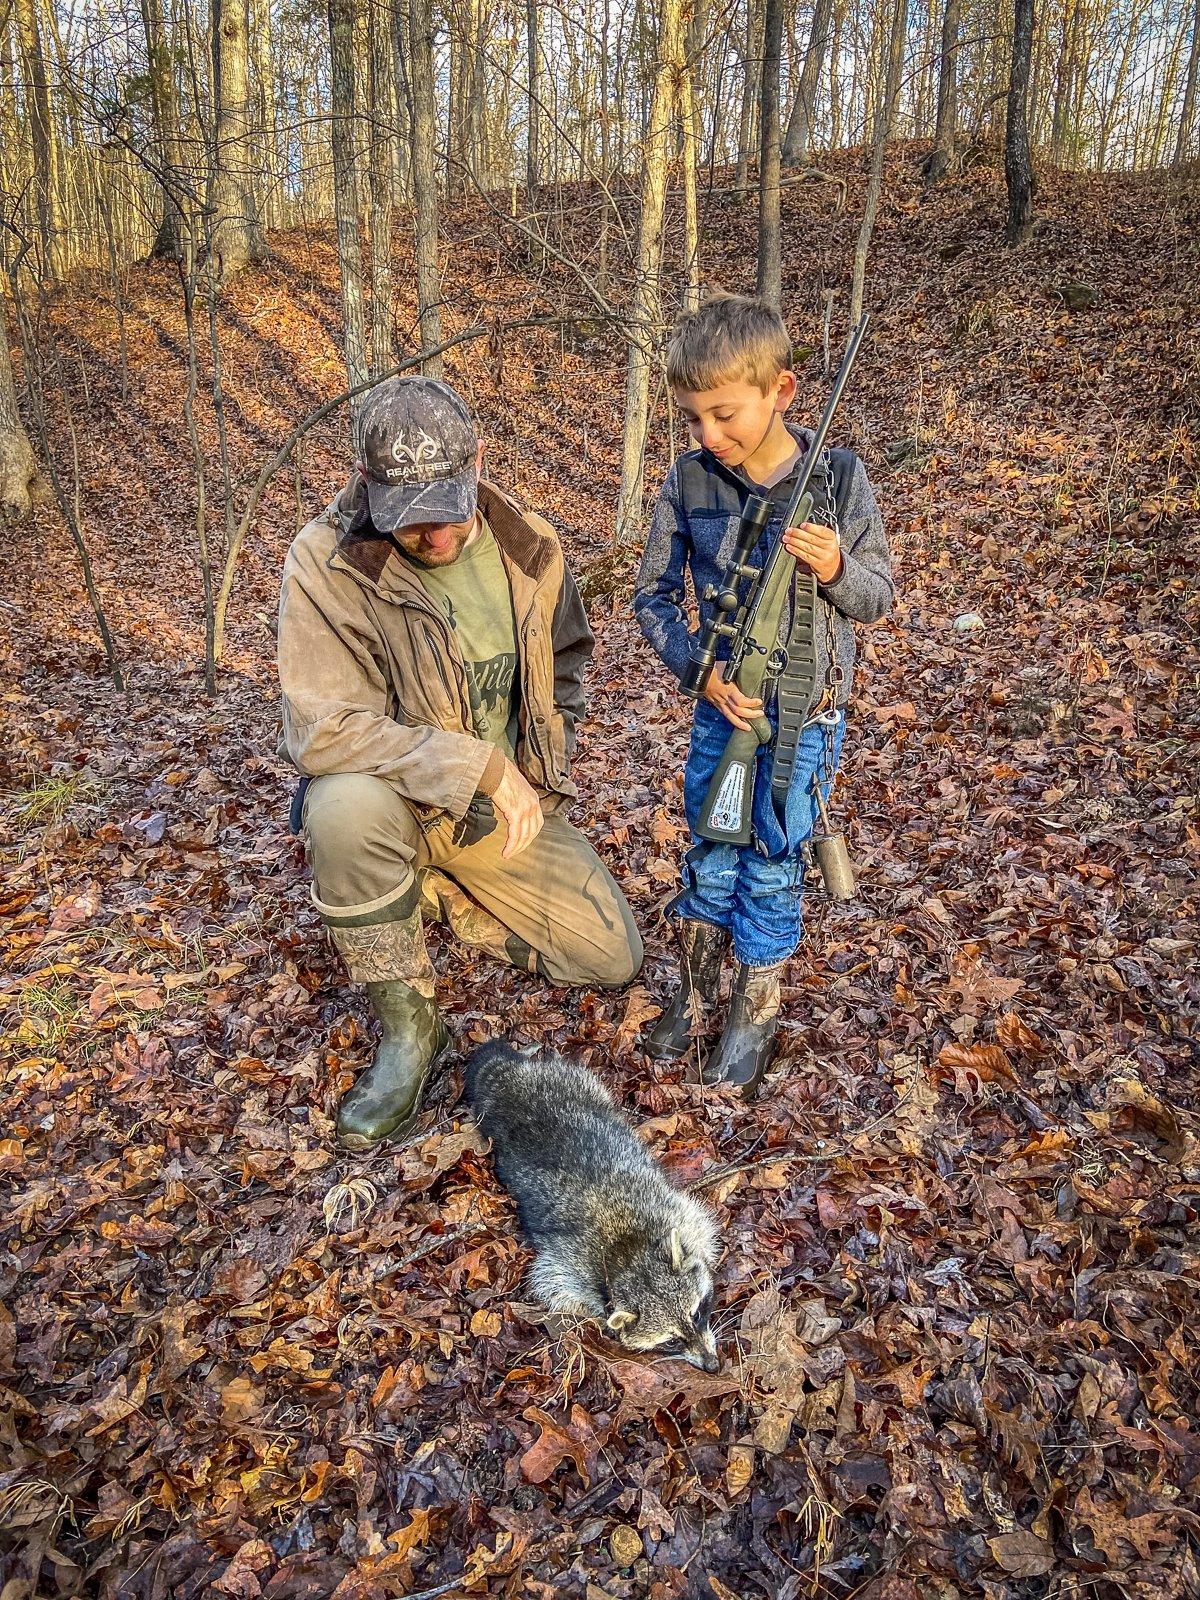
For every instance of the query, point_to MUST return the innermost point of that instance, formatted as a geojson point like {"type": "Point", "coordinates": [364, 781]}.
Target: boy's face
{"type": "Point", "coordinates": [735, 419]}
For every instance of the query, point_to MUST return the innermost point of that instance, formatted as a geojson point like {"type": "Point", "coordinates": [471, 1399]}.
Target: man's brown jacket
{"type": "Point", "coordinates": [372, 674]}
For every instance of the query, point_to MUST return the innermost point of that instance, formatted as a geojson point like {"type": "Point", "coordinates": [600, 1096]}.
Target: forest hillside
{"type": "Point", "coordinates": [958, 1293]}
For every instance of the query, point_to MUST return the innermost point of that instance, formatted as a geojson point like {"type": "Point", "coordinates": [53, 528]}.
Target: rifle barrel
{"type": "Point", "coordinates": [818, 444]}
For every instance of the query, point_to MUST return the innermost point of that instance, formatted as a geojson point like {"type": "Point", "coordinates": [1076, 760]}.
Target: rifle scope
{"type": "Point", "coordinates": [727, 599]}
{"type": "Point", "coordinates": [731, 610]}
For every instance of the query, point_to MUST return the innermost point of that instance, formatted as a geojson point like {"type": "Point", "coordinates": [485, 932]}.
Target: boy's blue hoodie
{"type": "Point", "coordinates": [694, 528]}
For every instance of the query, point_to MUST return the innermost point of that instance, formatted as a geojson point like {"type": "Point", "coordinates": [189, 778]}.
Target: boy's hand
{"type": "Point", "coordinates": [817, 547]}
{"type": "Point", "coordinates": [729, 700]}
{"type": "Point", "coordinates": [517, 805]}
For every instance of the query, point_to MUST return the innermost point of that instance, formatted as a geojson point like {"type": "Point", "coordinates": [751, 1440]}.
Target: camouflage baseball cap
{"type": "Point", "coordinates": [417, 446]}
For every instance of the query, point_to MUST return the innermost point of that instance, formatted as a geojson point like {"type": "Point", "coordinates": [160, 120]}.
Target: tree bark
{"type": "Point", "coordinates": [1018, 166]}
{"type": "Point", "coordinates": [345, 188]}
{"type": "Point", "coordinates": [18, 469]}
{"type": "Point", "coordinates": [644, 312]}
{"type": "Point", "coordinates": [799, 129]}
{"type": "Point", "coordinates": [236, 234]}
{"type": "Point", "coordinates": [1188, 112]}
{"type": "Point", "coordinates": [770, 243]}
{"type": "Point", "coordinates": [885, 117]}
{"type": "Point", "coordinates": [424, 175]}
{"type": "Point", "coordinates": [941, 157]}
{"type": "Point", "coordinates": [47, 178]}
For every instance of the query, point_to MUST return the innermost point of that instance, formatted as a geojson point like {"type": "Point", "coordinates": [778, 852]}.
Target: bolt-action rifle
{"type": "Point", "coordinates": [748, 610]}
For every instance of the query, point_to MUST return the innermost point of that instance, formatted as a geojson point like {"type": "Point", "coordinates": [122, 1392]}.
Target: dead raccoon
{"type": "Point", "coordinates": [612, 1239]}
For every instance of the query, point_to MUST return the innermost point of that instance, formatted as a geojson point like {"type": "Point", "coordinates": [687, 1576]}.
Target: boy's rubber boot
{"type": "Point", "coordinates": [747, 1045]}
{"type": "Point", "coordinates": [702, 948]}
{"type": "Point", "coordinates": [385, 1100]}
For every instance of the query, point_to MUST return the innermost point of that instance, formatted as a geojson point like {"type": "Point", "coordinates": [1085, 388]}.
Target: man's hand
{"type": "Point", "coordinates": [817, 547]}
{"type": "Point", "coordinates": [518, 807]}
{"type": "Point", "coordinates": [729, 700]}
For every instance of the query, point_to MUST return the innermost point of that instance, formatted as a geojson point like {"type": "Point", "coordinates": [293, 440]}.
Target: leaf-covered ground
{"type": "Point", "coordinates": [961, 1273]}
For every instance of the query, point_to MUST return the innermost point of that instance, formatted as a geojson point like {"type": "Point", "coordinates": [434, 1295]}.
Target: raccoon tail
{"type": "Point", "coordinates": [486, 1068]}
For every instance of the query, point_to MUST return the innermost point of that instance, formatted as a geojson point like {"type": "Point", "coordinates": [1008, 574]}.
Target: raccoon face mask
{"type": "Point", "coordinates": [661, 1303]}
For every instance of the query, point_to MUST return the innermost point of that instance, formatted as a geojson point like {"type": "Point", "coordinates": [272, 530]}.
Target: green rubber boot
{"type": "Point", "coordinates": [702, 948]}
{"type": "Point", "coordinates": [747, 1045]}
{"type": "Point", "coordinates": [384, 1102]}
{"type": "Point", "coordinates": [390, 960]}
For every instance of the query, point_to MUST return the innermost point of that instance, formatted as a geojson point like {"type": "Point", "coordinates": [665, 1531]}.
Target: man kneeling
{"type": "Point", "coordinates": [431, 654]}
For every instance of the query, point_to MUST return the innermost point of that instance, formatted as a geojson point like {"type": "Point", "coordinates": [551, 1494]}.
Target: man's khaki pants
{"type": "Point", "coordinates": [552, 909]}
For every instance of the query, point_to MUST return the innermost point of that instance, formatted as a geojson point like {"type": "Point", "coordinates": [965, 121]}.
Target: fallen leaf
{"type": "Point", "coordinates": [1022, 1554]}
{"type": "Point", "coordinates": [739, 1469]}
{"type": "Point", "coordinates": [555, 1443]}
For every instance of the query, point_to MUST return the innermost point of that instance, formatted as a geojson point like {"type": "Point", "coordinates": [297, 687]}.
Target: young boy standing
{"type": "Point", "coordinates": [729, 368]}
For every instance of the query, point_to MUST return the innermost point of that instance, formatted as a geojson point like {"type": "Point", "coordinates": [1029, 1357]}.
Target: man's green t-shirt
{"type": "Point", "coordinates": [475, 595]}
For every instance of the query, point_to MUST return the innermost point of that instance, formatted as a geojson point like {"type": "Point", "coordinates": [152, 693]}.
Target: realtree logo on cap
{"type": "Point", "coordinates": [419, 458]}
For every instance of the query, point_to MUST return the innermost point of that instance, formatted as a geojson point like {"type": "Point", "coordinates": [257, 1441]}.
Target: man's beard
{"type": "Point", "coordinates": [426, 555]}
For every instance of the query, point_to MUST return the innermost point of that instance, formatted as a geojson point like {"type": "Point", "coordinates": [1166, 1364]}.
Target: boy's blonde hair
{"type": "Point", "coordinates": [730, 337]}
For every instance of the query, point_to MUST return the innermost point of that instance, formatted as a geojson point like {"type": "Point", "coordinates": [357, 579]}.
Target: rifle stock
{"type": "Point", "coordinates": [725, 816]}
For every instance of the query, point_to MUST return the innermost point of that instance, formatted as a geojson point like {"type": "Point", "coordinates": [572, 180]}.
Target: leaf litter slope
{"type": "Point", "coordinates": [960, 1276]}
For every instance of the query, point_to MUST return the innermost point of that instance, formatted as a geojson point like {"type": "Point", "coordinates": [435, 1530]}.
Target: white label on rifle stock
{"type": "Point", "coordinates": [726, 814]}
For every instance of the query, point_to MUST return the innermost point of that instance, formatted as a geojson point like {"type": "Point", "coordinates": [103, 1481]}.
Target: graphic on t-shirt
{"type": "Point", "coordinates": [490, 681]}
{"type": "Point", "coordinates": [474, 595]}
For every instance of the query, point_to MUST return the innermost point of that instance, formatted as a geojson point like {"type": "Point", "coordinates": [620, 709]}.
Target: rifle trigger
{"type": "Point", "coordinates": [777, 664]}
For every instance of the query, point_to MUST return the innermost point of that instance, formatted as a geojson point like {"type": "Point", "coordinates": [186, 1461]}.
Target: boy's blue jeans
{"type": "Point", "coordinates": [755, 895]}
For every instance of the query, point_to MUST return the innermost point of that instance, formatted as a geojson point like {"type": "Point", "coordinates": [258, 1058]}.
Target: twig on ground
{"type": "Point", "coordinates": [727, 1169]}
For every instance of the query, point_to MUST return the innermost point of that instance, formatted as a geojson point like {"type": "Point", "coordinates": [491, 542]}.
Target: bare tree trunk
{"type": "Point", "coordinates": [472, 106]}
{"type": "Point", "coordinates": [941, 157]}
{"type": "Point", "coordinates": [532, 129]}
{"type": "Point", "coordinates": [751, 85]}
{"type": "Point", "coordinates": [43, 133]}
{"type": "Point", "coordinates": [1184, 137]}
{"type": "Point", "coordinates": [383, 355]}
{"type": "Point", "coordinates": [403, 96]}
{"type": "Point", "coordinates": [1018, 167]}
{"type": "Point", "coordinates": [690, 142]}
{"type": "Point", "coordinates": [18, 469]}
{"type": "Point", "coordinates": [1063, 82]}
{"type": "Point", "coordinates": [187, 278]}
{"type": "Point", "coordinates": [602, 266]}
{"type": "Point", "coordinates": [345, 190]}
{"type": "Point", "coordinates": [835, 86]}
{"type": "Point", "coordinates": [644, 312]}
{"type": "Point", "coordinates": [424, 134]}
{"type": "Point", "coordinates": [164, 115]}
{"type": "Point", "coordinates": [799, 129]}
{"type": "Point", "coordinates": [770, 241]}
{"type": "Point", "coordinates": [236, 234]}
{"type": "Point", "coordinates": [885, 117]}
{"type": "Point", "coordinates": [266, 140]}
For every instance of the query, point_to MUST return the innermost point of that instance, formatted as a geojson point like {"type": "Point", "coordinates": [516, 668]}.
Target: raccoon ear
{"type": "Point", "coordinates": [676, 1251]}
{"type": "Point", "coordinates": [618, 1320]}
